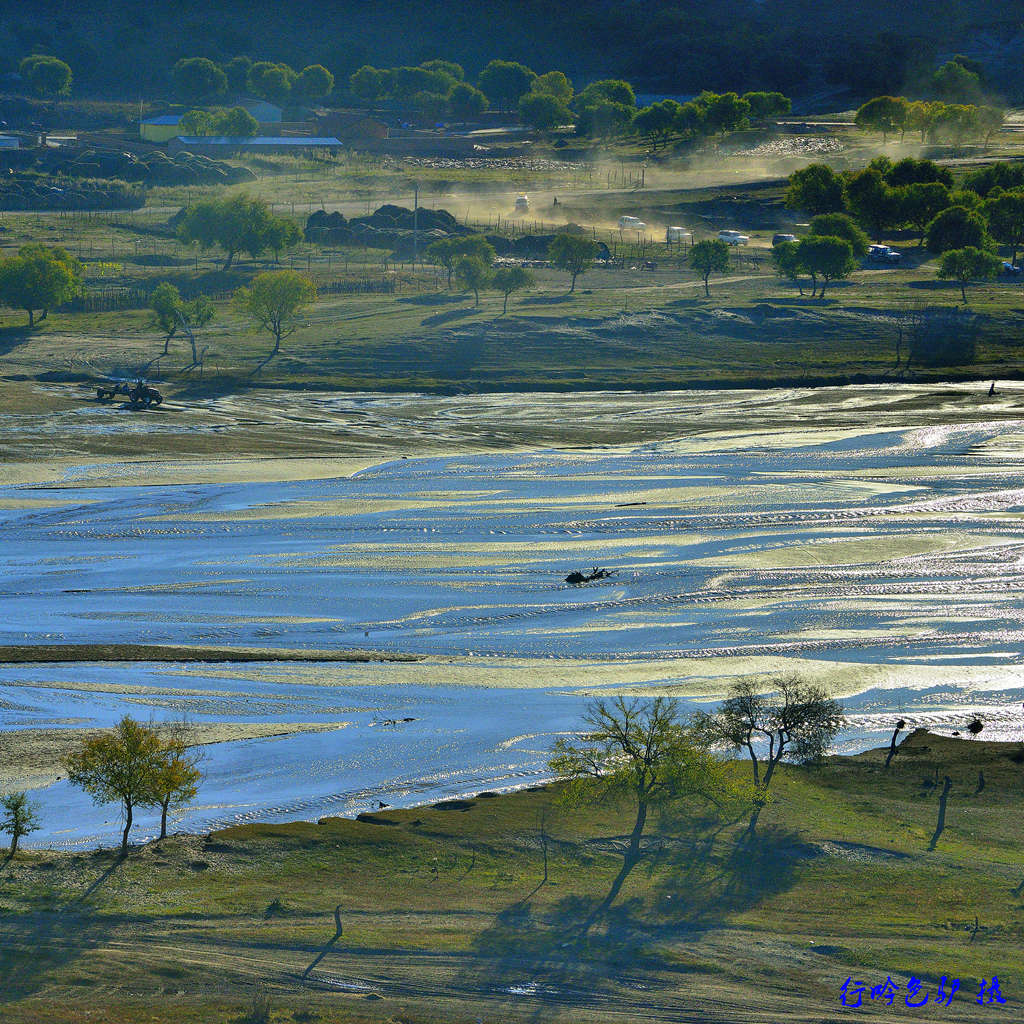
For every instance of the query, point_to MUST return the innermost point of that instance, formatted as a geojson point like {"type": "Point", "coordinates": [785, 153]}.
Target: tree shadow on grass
{"type": "Point", "coordinates": [13, 336]}
{"type": "Point", "coordinates": [432, 299]}
{"type": "Point", "coordinates": [448, 316]}
{"type": "Point", "coordinates": [41, 942]}
{"type": "Point", "coordinates": [683, 885]}
{"type": "Point", "coordinates": [547, 300]}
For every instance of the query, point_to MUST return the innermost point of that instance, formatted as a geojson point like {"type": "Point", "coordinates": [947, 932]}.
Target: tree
{"type": "Point", "coordinates": [957, 84]}
{"type": "Point", "coordinates": [542, 111]}
{"type": "Point", "coordinates": [472, 273]}
{"type": "Point", "coordinates": [555, 83]}
{"type": "Point", "coordinates": [19, 818]}
{"type": "Point", "coordinates": [237, 71]}
{"type": "Point", "coordinates": [369, 84]}
{"type": "Point", "coordinates": [826, 258]}
{"type": "Point", "coordinates": [841, 225]}
{"type": "Point", "coordinates": [764, 106]}
{"type": "Point", "coordinates": [118, 766]}
{"type": "Point", "coordinates": [445, 252]}
{"type": "Point", "coordinates": [508, 280]}
{"type": "Point", "coordinates": [429, 105]}
{"type": "Point", "coordinates": [314, 82]}
{"type": "Point", "coordinates": [989, 120]}
{"type": "Point", "coordinates": [637, 751]}
{"type": "Point", "coordinates": [275, 299]}
{"type": "Point", "coordinates": [177, 775]}
{"type": "Point", "coordinates": [39, 278]}
{"type": "Point", "coordinates": [605, 120]}
{"type": "Point", "coordinates": [723, 112]}
{"type": "Point", "coordinates": [956, 228]}
{"type": "Point", "coordinates": [920, 203]}
{"type": "Point", "coordinates": [236, 123]}
{"type": "Point", "coordinates": [236, 224]}
{"type": "Point", "coordinates": [1000, 175]}
{"type": "Point", "coordinates": [405, 82]}
{"type": "Point", "coordinates": [170, 312]}
{"type": "Point", "coordinates": [968, 264]}
{"type": "Point", "coordinates": [607, 90]}
{"type": "Point", "coordinates": [911, 171]}
{"type": "Point", "coordinates": [797, 720]}
{"type": "Point", "coordinates": [466, 102]}
{"type": "Point", "coordinates": [279, 234]}
{"type": "Point", "coordinates": [922, 116]}
{"type": "Point", "coordinates": [1005, 213]}
{"type": "Point", "coordinates": [572, 253]}
{"type": "Point", "coordinates": [885, 114]}
{"type": "Point", "coordinates": [46, 76]}
{"type": "Point", "coordinates": [270, 81]}
{"type": "Point", "coordinates": [707, 257]}
{"type": "Point", "coordinates": [871, 201]}
{"type": "Point", "coordinates": [815, 189]}
{"type": "Point", "coordinates": [659, 122]}
{"type": "Point", "coordinates": [196, 123]}
{"type": "Point", "coordinates": [503, 82]}
{"type": "Point", "coordinates": [446, 67]}
{"type": "Point", "coordinates": [197, 79]}
{"type": "Point", "coordinates": [786, 259]}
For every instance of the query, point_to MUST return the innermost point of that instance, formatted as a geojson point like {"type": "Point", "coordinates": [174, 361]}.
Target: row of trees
{"type": "Point", "coordinates": [235, 122]}
{"type": "Point", "coordinates": [133, 764]}
{"type": "Point", "coordinates": [200, 80]}
{"type": "Point", "coordinates": [935, 120]}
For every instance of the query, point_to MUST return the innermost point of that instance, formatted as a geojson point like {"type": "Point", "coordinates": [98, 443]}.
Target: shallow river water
{"type": "Point", "coordinates": [877, 548]}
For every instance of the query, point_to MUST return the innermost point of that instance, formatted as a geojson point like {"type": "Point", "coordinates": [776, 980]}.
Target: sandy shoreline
{"type": "Point", "coordinates": [29, 758]}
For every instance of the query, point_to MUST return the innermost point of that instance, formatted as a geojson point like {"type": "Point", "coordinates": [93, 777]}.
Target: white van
{"type": "Point", "coordinates": [733, 238]}
{"type": "Point", "coordinates": [632, 224]}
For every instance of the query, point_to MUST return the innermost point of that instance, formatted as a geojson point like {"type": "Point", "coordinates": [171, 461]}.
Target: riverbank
{"type": "Point", "coordinates": [478, 908]}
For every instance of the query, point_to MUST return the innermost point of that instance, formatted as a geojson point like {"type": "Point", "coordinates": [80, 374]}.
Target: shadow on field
{"type": "Point", "coordinates": [449, 315]}
{"type": "Point", "coordinates": [432, 299]}
{"type": "Point", "coordinates": [547, 300]}
{"type": "Point", "coordinates": [11, 337]}
{"type": "Point", "coordinates": [581, 944]}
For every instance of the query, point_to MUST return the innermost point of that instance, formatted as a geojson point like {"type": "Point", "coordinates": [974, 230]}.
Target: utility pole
{"type": "Point", "coordinates": [415, 223]}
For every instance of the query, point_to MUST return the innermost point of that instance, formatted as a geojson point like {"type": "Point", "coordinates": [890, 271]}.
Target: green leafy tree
{"type": "Point", "coordinates": [176, 776]}
{"type": "Point", "coordinates": [118, 766]}
{"type": "Point", "coordinates": [998, 175]}
{"type": "Point", "coordinates": [314, 82]}
{"type": "Point", "coordinates": [956, 228]}
{"type": "Point", "coordinates": [989, 120]}
{"type": "Point", "coordinates": [46, 76]}
{"type": "Point", "coordinates": [885, 114]}
{"type": "Point", "coordinates": [369, 84]}
{"type": "Point", "coordinates": [968, 264]}
{"type": "Point", "coordinates": [473, 274]}
{"type": "Point", "coordinates": [503, 82]}
{"type": "Point", "coordinates": [957, 84]}
{"type": "Point", "coordinates": [659, 122]}
{"type": "Point", "coordinates": [446, 252]}
{"type": "Point", "coordinates": [171, 312]}
{"type": "Point", "coordinates": [786, 260]}
{"type": "Point", "coordinates": [922, 117]}
{"type": "Point", "coordinates": [798, 720]}
{"type": "Point", "coordinates": [841, 225]}
{"type": "Point", "coordinates": [638, 752]}
{"type": "Point", "coordinates": [276, 300]}
{"type": "Point", "coordinates": [39, 278]}
{"type": "Point", "coordinates": [446, 67]}
{"type": "Point", "coordinates": [19, 818]}
{"type": "Point", "coordinates": [607, 90]}
{"type": "Point", "coordinates": [872, 201]}
{"type": "Point", "coordinates": [279, 234]}
{"type": "Point", "coordinates": [815, 189]}
{"type": "Point", "coordinates": [765, 106]}
{"type": "Point", "coordinates": [709, 257]}
{"type": "Point", "coordinates": [465, 102]}
{"type": "Point", "coordinates": [270, 81]}
{"type": "Point", "coordinates": [826, 258]}
{"type": "Point", "coordinates": [197, 80]}
{"type": "Point", "coordinates": [508, 280]}
{"type": "Point", "coordinates": [197, 123]}
{"type": "Point", "coordinates": [237, 71]}
{"type": "Point", "coordinates": [572, 253]}
{"type": "Point", "coordinates": [920, 203]}
{"type": "Point", "coordinates": [723, 112]}
{"type": "Point", "coordinates": [605, 120]}
{"type": "Point", "coordinates": [406, 82]}
{"type": "Point", "coordinates": [557, 84]}
{"type": "Point", "coordinates": [431, 106]}
{"type": "Point", "coordinates": [543, 111]}
{"type": "Point", "coordinates": [236, 123]}
{"type": "Point", "coordinates": [1005, 214]}
{"type": "Point", "coordinates": [235, 224]}
{"type": "Point", "coordinates": [911, 171]}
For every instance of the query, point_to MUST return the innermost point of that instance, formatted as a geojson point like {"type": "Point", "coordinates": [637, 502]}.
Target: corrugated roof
{"type": "Point", "coordinates": [258, 140]}
{"type": "Point", "coordinates": [163, 119]}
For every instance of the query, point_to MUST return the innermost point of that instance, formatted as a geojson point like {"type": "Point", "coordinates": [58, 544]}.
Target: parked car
{"type": "Point", "coordinates": [1009, 268]}
{"type": "Point", "coordinates": [522, 204]}
{"type": "Point", "coordinates": [883, 254]}
{"type": "Point", "coordinates": [632, 223]}
{"type": "Point", "coordinates": [779, 239]}
{"type": "Point", "coordinates": [733, 238]}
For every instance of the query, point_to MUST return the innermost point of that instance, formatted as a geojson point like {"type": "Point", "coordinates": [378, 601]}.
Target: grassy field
{"type": "Point", "coordinates": [485, 909]}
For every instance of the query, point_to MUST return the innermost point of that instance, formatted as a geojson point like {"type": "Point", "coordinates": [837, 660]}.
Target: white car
{"type": "Point", "coordinates": [632, 223]}
{"type": "Point", "coordinates": [522, 204]}
{"type": "Point", "coordinates": [733, 238]}
{"type": "Point", "coordinates": [884, 254]}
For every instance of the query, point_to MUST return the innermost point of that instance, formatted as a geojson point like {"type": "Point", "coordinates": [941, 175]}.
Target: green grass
{"type": "Point", "coordinates": [444, 910]}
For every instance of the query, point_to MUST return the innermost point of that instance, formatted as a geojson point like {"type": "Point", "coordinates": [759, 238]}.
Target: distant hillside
{"type": "Point", "coordinates": [125, 48]}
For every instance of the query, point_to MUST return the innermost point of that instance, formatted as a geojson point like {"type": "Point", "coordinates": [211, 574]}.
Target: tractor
{"type": "Point", "coordinates": [139, 394]}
